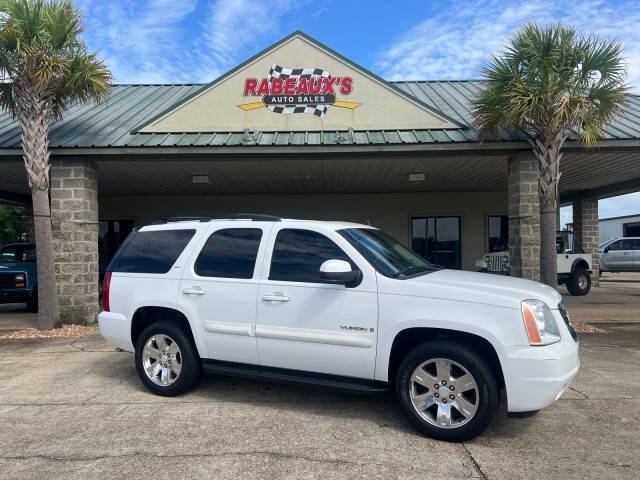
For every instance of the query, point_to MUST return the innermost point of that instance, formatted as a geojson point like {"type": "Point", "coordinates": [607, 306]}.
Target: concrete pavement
{"type": "Point", "coordinates": [616, 300]}
{"type": "Point", "coordinates": [15, 316]}
{"type": "Point", "coordinates": [74, 408]}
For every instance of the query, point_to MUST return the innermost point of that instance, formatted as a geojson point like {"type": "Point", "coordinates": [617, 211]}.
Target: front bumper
{"type": "Point", "coordinates": [14, 295]}
{"type": "Point", "coordinates": [535, 377]}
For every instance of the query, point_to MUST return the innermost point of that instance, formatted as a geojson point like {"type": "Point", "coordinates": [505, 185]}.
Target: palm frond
{"type": "Point", "coordinates": [552, 80]}
{"type": "Point", "coordinates": [41, 48]}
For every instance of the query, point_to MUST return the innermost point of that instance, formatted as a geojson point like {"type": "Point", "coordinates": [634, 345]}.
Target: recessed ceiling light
{"type": "Point", "coordinates": [200, 179]}
{"type": "Point", "coordinates": [416, 177]}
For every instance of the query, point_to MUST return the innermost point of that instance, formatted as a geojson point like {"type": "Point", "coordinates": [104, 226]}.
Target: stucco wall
{"type": "Point", "coordinates": [390, 211]}
{"type": "Point", "coordinates": [216, 110]}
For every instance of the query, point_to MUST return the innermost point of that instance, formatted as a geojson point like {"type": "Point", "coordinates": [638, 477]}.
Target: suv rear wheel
{"type": "Point", "coordinates": [447, 391]}
{"type": "Point", "coordinates": [166, 359]}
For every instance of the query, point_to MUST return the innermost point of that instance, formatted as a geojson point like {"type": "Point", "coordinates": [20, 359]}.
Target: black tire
{"type": "Point", "coordinates": [475, 364]}
{"type": "Point", "coordinates": [32, 301]}
{"type": "Point", "coordinates": [573, 284]}
{"type": "Point", "coordinates": [191, 364]}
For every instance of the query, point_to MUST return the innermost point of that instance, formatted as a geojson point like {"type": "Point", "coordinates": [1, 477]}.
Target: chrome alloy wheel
{"type": "Point", "coordinates": [444, 393]}
{"type": "Point", "coordinates": [162, 360]}
{"type": "Point", "coordinates": [582, 282]}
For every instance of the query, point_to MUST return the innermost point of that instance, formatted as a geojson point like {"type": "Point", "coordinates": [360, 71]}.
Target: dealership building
{"type": "Point", "coordinates": [300, 131]}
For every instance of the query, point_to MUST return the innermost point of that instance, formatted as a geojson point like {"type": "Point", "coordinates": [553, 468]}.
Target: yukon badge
{"type": "Point", "coordinates": [355, 329]}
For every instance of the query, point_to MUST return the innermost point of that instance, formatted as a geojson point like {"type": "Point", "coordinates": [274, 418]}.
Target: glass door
{"type": "Point", "coordinates": [111, 233]}
{"type": "Point", "coordinates": [437, 239]}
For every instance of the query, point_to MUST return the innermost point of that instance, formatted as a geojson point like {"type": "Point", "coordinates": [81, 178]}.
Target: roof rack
{"type": "Point", "coordinates": [256, 217]}
{"type": "Point", "coordinates": [181, 219]}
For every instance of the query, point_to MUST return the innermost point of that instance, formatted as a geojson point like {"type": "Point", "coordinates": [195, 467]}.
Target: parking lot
{"type": "Point", "coordinates": [74, 408]}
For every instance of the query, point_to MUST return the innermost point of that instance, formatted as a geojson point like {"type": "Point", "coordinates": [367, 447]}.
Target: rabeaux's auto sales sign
{"type": "Point", "coordinates": [299, 90]}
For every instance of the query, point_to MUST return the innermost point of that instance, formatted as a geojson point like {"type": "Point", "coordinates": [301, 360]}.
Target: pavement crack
{"type": "Point", "coordinates": [236, 453]}
{"type": "Point", "coordinates": [579, 392]}
{"type": "Point", "coordinates": [82, 349]}
{"type": "Point", "coordinates": [475, 463]}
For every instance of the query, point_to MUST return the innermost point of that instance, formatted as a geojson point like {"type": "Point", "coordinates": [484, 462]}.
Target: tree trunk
{"type": "Point", "coordinates": [547, 150]}
{"type": "Point", "coordinates": [548, 256]}
{"type": "Point", "coordinates": [32, 113]}
{"type": "Point", "coordinates": [47, 294]}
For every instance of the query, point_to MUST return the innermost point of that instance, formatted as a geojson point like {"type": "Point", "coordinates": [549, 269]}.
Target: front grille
{"type": "Point", "coordinates": [6, 280]}
{"type": "Point", "coordinates": [567, 320]}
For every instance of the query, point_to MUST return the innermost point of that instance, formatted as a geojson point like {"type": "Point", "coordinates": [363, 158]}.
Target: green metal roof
{"type": "Point", "coordinates": [112, 123]}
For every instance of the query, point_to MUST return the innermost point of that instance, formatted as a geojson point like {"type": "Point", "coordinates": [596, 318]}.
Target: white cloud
{"type": "Point", "coordinates": [162, 41]}
{"type": "Point", "coordinates": [140, 43]}
{"type": "Point", "coordinates": [457, 42]}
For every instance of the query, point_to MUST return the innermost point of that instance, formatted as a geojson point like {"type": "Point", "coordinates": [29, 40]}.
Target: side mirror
{"type": "Point", "coordinates": [606, 249]}
{"type": "Point", "coordinates": [339, 271]}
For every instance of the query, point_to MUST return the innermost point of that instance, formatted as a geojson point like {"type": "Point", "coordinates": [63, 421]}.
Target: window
{"type": "Point", "coordinates": [298, 255]}
{"type": "Point", "coordinates": [111, 234]}
{"type": "Point", "coordinates": [498, 233]}
{"type": "Point", "coordinates": [437, 239]}
{"type": "Point", "coordinates": [10, 254]}
{"type": "Point", "coordinates": [617, 245]}
{"type": "Point", "coordinates": [230, 253]}
{"type": "Point", "coordinates": [152, 251]}
{"type": "Point", "coordinates": [629, 244]}
{"type": "Point", "coordinates": [29, 255]}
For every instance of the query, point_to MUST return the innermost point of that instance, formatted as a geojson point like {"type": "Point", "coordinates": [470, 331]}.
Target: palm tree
{"type": "Point", "coordinates": [45, 68]}
{"type": "Point", "coordinates": [551, 83]}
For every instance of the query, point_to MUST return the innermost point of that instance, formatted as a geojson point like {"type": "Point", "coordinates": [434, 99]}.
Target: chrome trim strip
{"type": "Point", "coordinates": [229, 328]}
{"type": "Point", "coordinates": [349, 339]}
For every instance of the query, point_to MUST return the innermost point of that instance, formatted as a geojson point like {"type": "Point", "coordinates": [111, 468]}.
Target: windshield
{"type": "Point", "coordinates": [17, 254]}
{"type": "Point", "coordinates": [9, 255]}
{"type": "Point", "coordinates": [387, 255]}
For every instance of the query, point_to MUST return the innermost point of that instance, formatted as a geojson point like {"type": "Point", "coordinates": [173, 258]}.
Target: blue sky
{"type": "Point", "coordinates": [159, 41]}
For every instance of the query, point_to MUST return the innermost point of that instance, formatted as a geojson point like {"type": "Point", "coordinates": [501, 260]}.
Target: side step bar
{"type": "Point", "coordinates": [283, 375]}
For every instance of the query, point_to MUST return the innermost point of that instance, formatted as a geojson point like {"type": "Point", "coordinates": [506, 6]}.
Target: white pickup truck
{"type": "Point", "coordinates": [338, 305]}
{"type": "Point", "coordinates": [574, 266]}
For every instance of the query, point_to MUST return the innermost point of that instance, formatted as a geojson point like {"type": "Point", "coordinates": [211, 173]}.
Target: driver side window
{"type": "Point", "coordinates": [617, 245]}
{"type": "Point", "coordinates": [298, 255]}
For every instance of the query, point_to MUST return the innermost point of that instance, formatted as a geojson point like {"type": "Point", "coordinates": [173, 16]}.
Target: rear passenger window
{"type": "Point", "coordinates": [298, 254]}
{"type": "Point", "coordinates": [229, 253]}
{"type": "Point", "coordinates": [152, 251]}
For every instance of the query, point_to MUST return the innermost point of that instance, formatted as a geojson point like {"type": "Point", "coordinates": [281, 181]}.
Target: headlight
{"type": "Point", "coordinates": [539, 322]}
{"type": "Point", "coordinates": [20, 277]}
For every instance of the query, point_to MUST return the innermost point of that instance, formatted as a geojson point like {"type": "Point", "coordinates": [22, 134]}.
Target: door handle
{"type": "Point", "coordinates": [276, 297]}
{"type": "Point", "coordinates": [194, 291]}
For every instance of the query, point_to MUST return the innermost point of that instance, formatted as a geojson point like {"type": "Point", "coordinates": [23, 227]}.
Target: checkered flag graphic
{"type": "Point", "coordinates": [276, 71]}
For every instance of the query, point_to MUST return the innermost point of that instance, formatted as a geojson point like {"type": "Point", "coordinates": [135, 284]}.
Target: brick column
{"type": "Point", "coordinates": [524, 216]}
{"type": "Point", "coordinates": [587, 231]}
{"type": "Point", "coordinates": [74, 215]}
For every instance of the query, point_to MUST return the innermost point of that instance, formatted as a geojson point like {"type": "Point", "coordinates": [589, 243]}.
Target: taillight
{"type": "Point", "coordinates": [105, 291]}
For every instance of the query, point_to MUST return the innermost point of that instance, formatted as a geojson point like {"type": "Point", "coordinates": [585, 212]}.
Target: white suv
{"type": "Point", "coordinates": [339, 305]}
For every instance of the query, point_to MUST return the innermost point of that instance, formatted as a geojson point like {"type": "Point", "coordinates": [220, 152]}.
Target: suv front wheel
{"type": "Point", "coordinates": [166, 359]}
{"type": "Point", "coordinates": [447, 391]}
